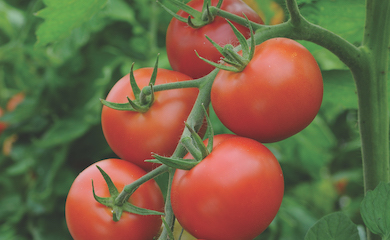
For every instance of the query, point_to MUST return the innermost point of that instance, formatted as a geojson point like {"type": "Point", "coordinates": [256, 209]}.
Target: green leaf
{"type": "Point", "coordinates": [340, 92]}
{"type": "Point", "coordinates": [11, 20]}
{"type": "Point", "coordinates": [335, 226]}
{"type": "Point", "coordinates": [340, 89]}
{"type": "Point", "coordinates": [120, 10]}
{"type": "Point", "coordinates": [329, 15]}
{"type": "Point", "coordinates": [64, 131]}
{"type": "Point", "coordinates": [62, 16]}
{"type": "Point", "coordinates": [311, 148]}
{"type": "Point", "coordinates": [375, 210]}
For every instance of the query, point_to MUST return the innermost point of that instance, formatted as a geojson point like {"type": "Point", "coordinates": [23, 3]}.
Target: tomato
{"type": "Point", "coordinates": [182, 40]}
{"type": "Point", "coordinates": [12, 103]}
{"type": "Point", "coordinates": [276, 96]}
{"type": "Point", "coordinates": [3, 125]}
{"type": "Point", "coordinates": [134, 136]}
{"type": "Point", "coordinates": [87, 219]}
{"type": "Point", "coordinates": [234, 193]}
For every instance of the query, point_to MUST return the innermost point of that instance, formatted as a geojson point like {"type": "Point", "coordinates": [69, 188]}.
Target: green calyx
{"type": "Point", "coordinates": [233, 61]}
{"type": "Point", "coordinates": [196, 19]}
{"type": "Point", "coordinates": [194, 145]}
{"type": "Point", "coordinates": [143, 99]}
{"type": "Point", "coordinates": [118, 208]}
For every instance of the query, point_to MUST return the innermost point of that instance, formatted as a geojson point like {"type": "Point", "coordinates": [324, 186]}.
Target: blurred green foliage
{"type": "Point", "coordinates": [65, 55]}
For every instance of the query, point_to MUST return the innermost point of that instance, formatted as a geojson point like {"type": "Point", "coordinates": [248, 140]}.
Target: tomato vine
{"type": "Point", "coordinates": [368, 64]}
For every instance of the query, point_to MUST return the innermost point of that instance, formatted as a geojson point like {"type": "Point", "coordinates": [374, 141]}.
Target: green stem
{"type": "Point", "coordinates": [173, 85]}
{"type": "Point", "coordinates": [234, 18]}
{"type": "Point", "coordinates": [195, 120]}
{"type": "Point", "coordinates": [371, 82]}
{"type": "Point", "coordinates": [169, 215]}
{"type": "Point", "coordinates": [130, 188]}
{"type": "Point", "coordinates": [298, 28]}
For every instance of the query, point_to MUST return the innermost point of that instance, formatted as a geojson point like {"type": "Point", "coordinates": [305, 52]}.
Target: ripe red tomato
{"type": "Point", "coordinates": [87, 219]}
{"type": "Point", "coordinates": [134, 136]}
{"type": "Point", "coordinates": [3, 125]}
{"type": "Point", "coordinates": [12, 103]}
{"type": "Point", "coordinates": [182, 40]}
{"type": "Point", "coordinates": [277, 95]}
{"type": "Point", "coordinates": [234, 193]}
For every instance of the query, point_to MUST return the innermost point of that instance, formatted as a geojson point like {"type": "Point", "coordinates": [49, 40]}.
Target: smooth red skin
{"type": "Point", "coordinates": [134, 136]}
{"type": "Point", "coordinates": [182, 40]}
{"type": "Point", "coordinates": [233, 194]}
{"type": "Point", "coordinates": [87, 219]}
{"type": "Point", "coordinates": [276, 96]}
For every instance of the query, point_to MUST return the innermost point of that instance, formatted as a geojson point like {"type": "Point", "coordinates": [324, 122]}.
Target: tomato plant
{"type": "Point", "coordinates": [233, 193]}
{"type": "Point", "coordinates": [88, 219]}
{"type": "Point", "coordinates": [133, 135]}
{"type": "Point", "coordinates": [81, 47]}
{"type": "Point", "coordinates": [278, 93]}
{"type": "Point", "coordinates": [182, 40]}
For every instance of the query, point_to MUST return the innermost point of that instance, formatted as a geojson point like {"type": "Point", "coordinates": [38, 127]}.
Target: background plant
{"type": "Point", "coordinates": [65, 57]}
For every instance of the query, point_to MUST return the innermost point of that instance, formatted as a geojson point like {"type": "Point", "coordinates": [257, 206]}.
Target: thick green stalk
{"type": "Point", "coordinates": [371, 82]}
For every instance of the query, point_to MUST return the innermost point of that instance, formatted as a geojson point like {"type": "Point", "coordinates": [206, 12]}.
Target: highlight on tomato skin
{"type": "Point", "coordinates": [234, 193]}
{"type": "Point", "coordinates": [87, 219]}
{"type": "Point", "coordinates": [277, 95]}
{"type": "Point", "coordinates": [182, 41]}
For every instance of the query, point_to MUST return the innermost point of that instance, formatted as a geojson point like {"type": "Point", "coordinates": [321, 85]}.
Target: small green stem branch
{"type": "Point", "coordinates": [173, 85]}
{"type": "Point", "coordinates": [130, 188]}
{"type": "Point", "coordinates": [234, 18]}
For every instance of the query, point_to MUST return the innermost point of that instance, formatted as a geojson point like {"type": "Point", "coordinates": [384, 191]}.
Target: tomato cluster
{"type": "Point", "coordinates": [236, 186]}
